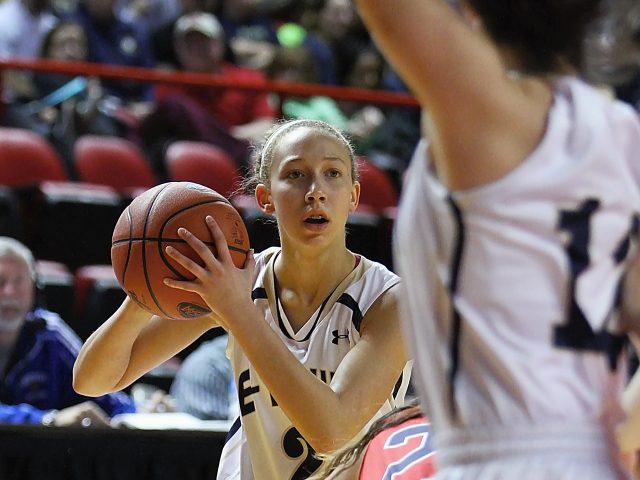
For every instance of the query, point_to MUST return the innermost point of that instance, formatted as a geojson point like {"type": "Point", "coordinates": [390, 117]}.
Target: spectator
{"type": "Point", "coordinates": [250, 31]}
{"type": "Point", "coordinates": [37, 352]}
{"type": "Point", "coordinates": [203, 386]}
{"type": "Point", "coordinates": [113, 41]}
{"type": "Point", "coordinates": [229, 118]}
{"type": "Point", "coordinates": [147, 14]}
{"type": "Point", "coordinates": [161, 38]}
{"type": "Point", "coordinates": [16, 18]}
{"type": "Point", "coordinates": [65, 107]}
{"type": "Point", "coordinates": [296, 64]}
{"type": "Point", "coordinates": [337, 25]}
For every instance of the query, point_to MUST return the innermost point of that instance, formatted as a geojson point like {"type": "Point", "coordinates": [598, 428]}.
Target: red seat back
{"type": "Point", "coordinates": [112, 161]}
{"type": "Point", "coordinates": [27, 158]}
{"type": "Point", "coordinates": [377, 191]}
{"type": "Point", "coordinates": [202, 163]}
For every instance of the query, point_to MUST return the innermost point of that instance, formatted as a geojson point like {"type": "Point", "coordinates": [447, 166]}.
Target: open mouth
{"type": "Point", "coordinates": [316, 220]}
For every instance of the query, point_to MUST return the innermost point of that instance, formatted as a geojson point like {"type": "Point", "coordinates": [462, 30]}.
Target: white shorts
{"type": "Point", "coordinates": [547, 452]}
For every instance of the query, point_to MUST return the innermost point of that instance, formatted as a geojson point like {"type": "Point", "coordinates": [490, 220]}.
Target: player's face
{"type": "Point", "coordinates": [16, 296]}
{"type": "Point", "coordinates": [312, 191]}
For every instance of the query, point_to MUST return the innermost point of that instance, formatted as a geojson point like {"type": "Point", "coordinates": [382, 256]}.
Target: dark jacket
{"type": "Point", "coordinates": [38, 377]}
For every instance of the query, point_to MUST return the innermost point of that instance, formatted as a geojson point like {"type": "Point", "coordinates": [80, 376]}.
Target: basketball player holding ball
{"type": "Point", "coordinates": [315, 342]}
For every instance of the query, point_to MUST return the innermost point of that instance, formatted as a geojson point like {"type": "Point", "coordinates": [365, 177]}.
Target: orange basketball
{"type": "Point", "coordinates": [150, 223]}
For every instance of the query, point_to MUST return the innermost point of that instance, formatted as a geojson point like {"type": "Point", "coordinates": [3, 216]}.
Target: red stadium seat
{"type": "Point", "coordinates": [377, 191]}
{"type": "Point", "coordinates": [202, 163]}
{"type": "Point", "coordinates": [27, 158]}
{"type": "Point", "coordinates": [112, 161]}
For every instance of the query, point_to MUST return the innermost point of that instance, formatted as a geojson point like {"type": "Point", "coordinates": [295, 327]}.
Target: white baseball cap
{"type": "Point", "coordinates": [202, 22]}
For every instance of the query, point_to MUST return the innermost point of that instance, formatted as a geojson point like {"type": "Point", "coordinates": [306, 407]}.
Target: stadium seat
{"type": "Point", "coordinates": [112, 161]}
{"type": "Point", "coordinates": [55, 288]}
{"type": "Point", "coordinates": [27, 158]}
{"type": "Point", "coordinates": [72, 222]}
{"type": "Point", "coordinates": [202, 163]}
{"type": "Point", "coordinates": [377, 190]}
{"type": "Point", "coordinates": [12, 223]}
{"type": "Point", "coordinates": [97, 296]}
{"type": "Point", "coordinates": [364, 234]}
{"type": "Point", "coordinates": [385, 248]}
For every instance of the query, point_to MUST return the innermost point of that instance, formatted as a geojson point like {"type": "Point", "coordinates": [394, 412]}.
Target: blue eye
{"type": "Point", "coordinates": [334, 173]}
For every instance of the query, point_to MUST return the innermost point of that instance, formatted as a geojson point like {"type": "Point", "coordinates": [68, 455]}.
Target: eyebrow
{"type": "Point", "coordinates": [293, 159]}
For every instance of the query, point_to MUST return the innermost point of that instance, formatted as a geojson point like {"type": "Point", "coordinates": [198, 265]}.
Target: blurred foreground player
{"type": "Point", "coordinates": [514, 235]}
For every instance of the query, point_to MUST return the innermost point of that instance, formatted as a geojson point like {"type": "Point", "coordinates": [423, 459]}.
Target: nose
{"type": "Point", "coordinates": [315, 193]}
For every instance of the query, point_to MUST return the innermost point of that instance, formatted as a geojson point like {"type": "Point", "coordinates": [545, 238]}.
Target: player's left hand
{"type": "Point", "coordinates": [221, 284]}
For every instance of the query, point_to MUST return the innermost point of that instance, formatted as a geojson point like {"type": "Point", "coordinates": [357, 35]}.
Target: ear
{"type": "Point", "coordinates": [355, 196]}
{"type": "Point", "coordinates": [263, 197]}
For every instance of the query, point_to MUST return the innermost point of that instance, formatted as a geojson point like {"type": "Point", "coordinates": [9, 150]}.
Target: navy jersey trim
{"type": "Point", "coordinates": [456, 327]}
{"type": "Point", "coordinates": [396, 387]}
{"type": "Point", "coordinates": [232, 431]}
{"type": "Point", "coordinates": [283, 329]}
{"type": "Point", "coordinates": [349, 302]}
{"type": "Point", "coordinates": [259, 292]}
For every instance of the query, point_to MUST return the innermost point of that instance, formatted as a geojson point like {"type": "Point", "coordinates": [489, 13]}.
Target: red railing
{"type": "Point", "coordinates": [283, 89]}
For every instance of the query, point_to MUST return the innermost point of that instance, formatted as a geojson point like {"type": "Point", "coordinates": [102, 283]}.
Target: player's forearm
{"type": "Point", "coordinates": [105, 356]}
{"type": "Point", "coordinates": [313, 407]}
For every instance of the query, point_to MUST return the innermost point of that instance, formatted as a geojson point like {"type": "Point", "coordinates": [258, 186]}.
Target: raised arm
{"type": "Point", "coordinates": [129, 344]}
{"type": "Point", "coordinates": [482, 120]}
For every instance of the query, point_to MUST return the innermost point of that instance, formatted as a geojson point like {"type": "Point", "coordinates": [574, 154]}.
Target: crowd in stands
{"type": "Point", "coordinates": [312, 41]}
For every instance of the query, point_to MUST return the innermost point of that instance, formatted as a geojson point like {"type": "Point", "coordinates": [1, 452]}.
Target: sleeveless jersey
{"type": "Point", "coordinates": [265, 445]}
{"type": "Point", "coordinates": [400, 452]}
{"type": "Point", "coordinates": [512, 288]}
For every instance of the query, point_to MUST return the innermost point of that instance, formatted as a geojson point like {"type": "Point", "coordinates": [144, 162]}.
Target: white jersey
{"type": "Point", "coordinates": [265, 445]}
{"type": "Point", "coordinates": [512, 290]}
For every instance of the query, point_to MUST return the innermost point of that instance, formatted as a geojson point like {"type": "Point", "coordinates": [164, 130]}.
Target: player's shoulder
{"type": "Point", "coordinates": [374, 273]}
{"type": "Point", "coordinates": [263, 257]}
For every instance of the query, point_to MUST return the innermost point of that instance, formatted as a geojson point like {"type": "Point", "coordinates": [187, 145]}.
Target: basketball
{"type": "Point", "coordinates": [150, 223]}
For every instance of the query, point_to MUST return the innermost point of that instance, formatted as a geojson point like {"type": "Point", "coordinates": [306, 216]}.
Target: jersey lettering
{"type": "Point", "coordinates": [577, 333]}
{"type": "Point", "coordinates": [244, 391]}
{"type": "Point", "coordinates": [297, 448]}
{"type": "Point", "coordinates": [399, 439]}
{"type": "Point", "coordinates": [325, 375]}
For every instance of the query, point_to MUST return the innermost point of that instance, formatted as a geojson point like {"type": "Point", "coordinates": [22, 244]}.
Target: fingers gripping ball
{"type": "Point", "coordinates": [150, 223]}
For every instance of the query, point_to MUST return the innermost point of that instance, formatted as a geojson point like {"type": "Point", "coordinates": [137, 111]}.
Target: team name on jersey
{"type": "Point", "coordinates": [246, 389]}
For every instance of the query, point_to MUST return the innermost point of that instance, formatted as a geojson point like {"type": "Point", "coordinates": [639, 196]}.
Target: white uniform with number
{"type": "Point", "coordinates": [265, 445]}
{"type": "Point", "coordinates": [515, 377]}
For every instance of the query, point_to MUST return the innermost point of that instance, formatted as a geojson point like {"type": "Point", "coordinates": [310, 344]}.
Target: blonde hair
{"type": "Point", "coordinates": [263, 154]}
{"type": "Point", "coordinates": [345, 457]}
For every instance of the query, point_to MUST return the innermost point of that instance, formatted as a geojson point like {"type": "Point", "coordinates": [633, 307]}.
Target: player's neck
{"type": "Point", "coordinates": [312, 275]}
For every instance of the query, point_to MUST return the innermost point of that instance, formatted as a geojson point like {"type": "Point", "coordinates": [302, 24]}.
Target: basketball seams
{"type": "Point", "coordinates": [161, 239]}
{"type": "Point", "coordinates": [144, 252]}
{"type": "Point", "coordinates": [129, 246]}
